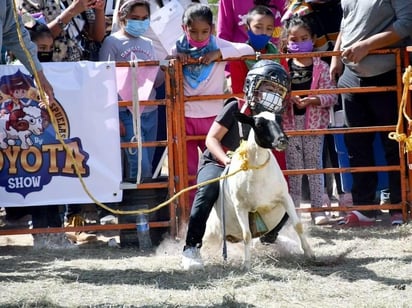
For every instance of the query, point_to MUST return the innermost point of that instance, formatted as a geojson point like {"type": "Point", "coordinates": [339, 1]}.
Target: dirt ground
{"type": "Point", "coordinates": [368, 267]}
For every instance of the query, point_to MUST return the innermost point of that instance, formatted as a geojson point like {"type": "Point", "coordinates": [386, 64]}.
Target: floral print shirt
{"type": "Point", "coordinates": [69, 46]}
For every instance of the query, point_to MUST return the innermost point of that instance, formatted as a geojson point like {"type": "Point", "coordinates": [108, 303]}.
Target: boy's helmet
{"type": "Point", "coordinates": [267, 71]}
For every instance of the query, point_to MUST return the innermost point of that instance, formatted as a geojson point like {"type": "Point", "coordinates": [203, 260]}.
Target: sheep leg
{"type": "Point", "coordinates": [297, 224]}
{"type": "Point", "coordinates": [243, 218]}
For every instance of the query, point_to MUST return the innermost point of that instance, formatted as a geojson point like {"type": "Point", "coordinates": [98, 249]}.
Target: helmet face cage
{"type": "Point", "coordinates": [273, 101]}
{"type": "Point", "coordinates": [274, 74]}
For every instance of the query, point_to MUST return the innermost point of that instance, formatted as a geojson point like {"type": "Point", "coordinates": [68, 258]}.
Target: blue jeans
{"type": "Point", "coordinates": [148, 123]}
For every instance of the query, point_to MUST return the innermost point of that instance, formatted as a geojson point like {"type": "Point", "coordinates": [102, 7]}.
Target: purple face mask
{"type": "Point", "coordinates": [304, 46]}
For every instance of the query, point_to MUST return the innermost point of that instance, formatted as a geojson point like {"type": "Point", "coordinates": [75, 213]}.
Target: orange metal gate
{"type": "Point", "coordinates": [175, 143]}
{"type": "Point", "coordinates": [181, 137]}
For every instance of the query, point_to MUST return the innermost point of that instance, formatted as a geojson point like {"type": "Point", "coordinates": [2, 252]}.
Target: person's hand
{"type": "Point", "coordinates": [302, 103]}
{"type": "Point", "coordinates": [335, 69]}
{"type": "Point", "coordinates": [297, 101]}
{"type": "Point", "coordinates": [310, 100]}
{"type": "Point", "coordinates": [227, 161]}
{"type": "Point", "coordinates": [356, 52]}
{"type": "Point", "coordinates": [79, 6]}
{"type": "Point", "coordinates": [294, 100]}
{"type": "Point", "coordinates": [47, 88]}
{"type": "Point", "coordinates": [99, 5]}
{"type": "Point", "coordinates": [210, 57]}
{"type": "Point", "coordinates": [183, 57]}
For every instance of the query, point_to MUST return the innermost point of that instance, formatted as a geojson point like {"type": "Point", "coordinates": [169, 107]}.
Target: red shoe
{"type": "Point", "coordinates": [356, 220]}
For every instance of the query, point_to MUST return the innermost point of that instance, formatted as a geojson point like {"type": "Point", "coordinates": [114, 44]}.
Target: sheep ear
{"type": "Point", "coordinates": [243, 118]}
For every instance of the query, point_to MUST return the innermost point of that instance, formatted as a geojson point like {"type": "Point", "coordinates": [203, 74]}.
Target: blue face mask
{"type": "Point", "coordinates": [136, 27]}
{"type": "Point", "coordinates": [258, 41]}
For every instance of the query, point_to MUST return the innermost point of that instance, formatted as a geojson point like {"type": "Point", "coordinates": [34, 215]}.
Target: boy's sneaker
{"type": "Point", "coordinates": [357, 219]}
{"type": "Point", "coordinates": [321, 220]}
{"type": "Point", "coordinates": [385, 197]}
{"type": "Point", "coordinates": [397, 219]}
{"type": "Point", "coordinates": [191, 259]}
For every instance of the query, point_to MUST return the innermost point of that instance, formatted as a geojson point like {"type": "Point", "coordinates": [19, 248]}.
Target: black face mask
{"type": "Point", "coordinates": [45, 56]}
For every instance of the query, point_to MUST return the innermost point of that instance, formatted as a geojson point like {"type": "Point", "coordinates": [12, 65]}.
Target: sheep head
{"type": "Point", "coordinates": [267, 127]}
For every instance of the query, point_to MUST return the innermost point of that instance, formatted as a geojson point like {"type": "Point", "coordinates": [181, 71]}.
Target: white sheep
{"type": "Point", "coordinates": [20, 124]}
{"type": "Point", "coordinates": [261, 188]}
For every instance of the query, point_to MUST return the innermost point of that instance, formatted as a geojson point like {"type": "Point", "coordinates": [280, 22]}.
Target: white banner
{"type": "Point", "coordinates": [34, 168]}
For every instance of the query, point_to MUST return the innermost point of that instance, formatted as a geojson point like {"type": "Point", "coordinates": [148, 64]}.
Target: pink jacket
{"type": "Point", "coordinates": [231, 19]}
{"type": "Point", "coordinates": [316, 117]}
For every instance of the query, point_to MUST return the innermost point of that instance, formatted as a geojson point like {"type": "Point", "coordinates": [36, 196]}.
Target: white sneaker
{"type": "Point", "coordinates": [385, 196]}
{"type": "Point", "coordinates": [108, 219]}
{"type": "Point", "coordinates": [321, 220]}
{"type": "Point", "coordinates": [191, 259]}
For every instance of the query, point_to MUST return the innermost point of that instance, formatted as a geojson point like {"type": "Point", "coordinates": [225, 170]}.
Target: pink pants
{"type": "Point", "coordinates": [195, 127]}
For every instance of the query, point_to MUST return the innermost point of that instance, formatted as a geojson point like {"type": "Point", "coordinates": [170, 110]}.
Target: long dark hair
{"type": "Point", "coordinates": [160, 3]}
{"type": "Point", "coordinates": [197, 12]}
{"type": "Point", "coordinates": [39, 30]}
{"type": "Point", "coordinates": [265, 3]}
{"type": "Point", "coordinates": [290, 23]}
{"type": "Point", "coordinates": [125, 9]}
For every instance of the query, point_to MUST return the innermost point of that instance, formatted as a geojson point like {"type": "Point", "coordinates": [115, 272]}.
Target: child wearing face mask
{"type": "Point", "coordinates": [260, 24]}
{"type": "Point", "coordinates": [205, 78]}
{"type": "Point", "coordinates": [41, 35]}
{"type": "Point", "coordinates": [127, 44]}
{"type": "Point", "coordinates": [46, 216]}
{"type": "Point", "coordinates": [306, 112]}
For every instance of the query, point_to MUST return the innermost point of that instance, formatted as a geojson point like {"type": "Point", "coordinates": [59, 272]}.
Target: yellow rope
{"type": "Point", "coordinates": [242, 148]}
{"type": "Point", "coordinates": [398, 135]}
{"type": "Point", "coordinates": [241, 151]}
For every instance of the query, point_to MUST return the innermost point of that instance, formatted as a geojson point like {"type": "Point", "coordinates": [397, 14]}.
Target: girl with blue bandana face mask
{"type": "Point", "coordinates": [203, 77]}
